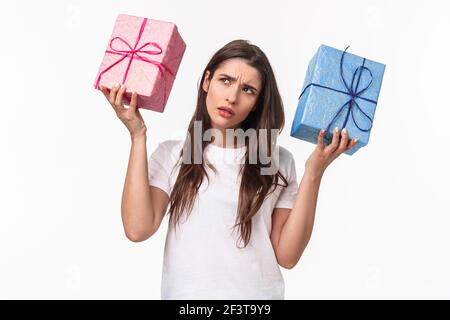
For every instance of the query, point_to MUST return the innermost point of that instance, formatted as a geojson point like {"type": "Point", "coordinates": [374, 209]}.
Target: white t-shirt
{"type": "Point", "coordinates": [201, 260]}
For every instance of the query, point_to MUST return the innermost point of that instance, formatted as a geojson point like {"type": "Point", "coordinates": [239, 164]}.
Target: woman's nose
{"type": "Point", "coordinates": [233, 94]}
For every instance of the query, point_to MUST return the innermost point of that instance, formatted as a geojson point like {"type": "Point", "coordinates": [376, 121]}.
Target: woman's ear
{"type": "Point", "coordinates": [205, 84]}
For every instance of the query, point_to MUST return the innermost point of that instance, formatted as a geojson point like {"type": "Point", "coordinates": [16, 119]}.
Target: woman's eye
{"type": "Point", "coordinates": [250, 91]}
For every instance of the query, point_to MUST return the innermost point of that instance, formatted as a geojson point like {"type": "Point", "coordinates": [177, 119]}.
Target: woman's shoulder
{"type": "Point", "coordinates": [285, 155]}
{"type": "Point", "coordinates": [171, 144]}
{"type": "Point", "coordinates": [286, 162]}
{"type": "Point", "coordinates": [168, 150]}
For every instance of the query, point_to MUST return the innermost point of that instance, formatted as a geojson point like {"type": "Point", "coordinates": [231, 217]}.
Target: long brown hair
{"type": "Point", "coordinates": [269, 114]}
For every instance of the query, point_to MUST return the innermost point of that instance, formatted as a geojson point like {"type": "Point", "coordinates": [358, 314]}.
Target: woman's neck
{"type": "Point", "coordinates": [223, 142]}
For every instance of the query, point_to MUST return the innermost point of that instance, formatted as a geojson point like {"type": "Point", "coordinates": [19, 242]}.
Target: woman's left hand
{"type": "Point", "coordinates": [323, 155]}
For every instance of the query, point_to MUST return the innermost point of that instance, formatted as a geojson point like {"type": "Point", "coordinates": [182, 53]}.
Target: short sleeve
{"type": "Point", "coordinates": [158, 172]}
{"type": "Point", "coordinates": [289, 193]}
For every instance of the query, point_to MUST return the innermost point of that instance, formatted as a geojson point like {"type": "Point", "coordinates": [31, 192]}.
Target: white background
{"type": "Point", "coordinates": [383, 219]}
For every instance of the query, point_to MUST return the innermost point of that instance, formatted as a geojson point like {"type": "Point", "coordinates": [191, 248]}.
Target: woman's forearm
{"type": "Point", "coordinates": [137, 210]}
{"type": "Point", "coordinates": [298, 227]}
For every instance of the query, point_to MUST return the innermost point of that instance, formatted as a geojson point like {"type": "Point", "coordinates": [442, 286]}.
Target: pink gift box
{"type": "Point", "coordinates": [143, 54]}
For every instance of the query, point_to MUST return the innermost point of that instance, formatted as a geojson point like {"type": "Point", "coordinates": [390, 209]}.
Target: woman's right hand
{"type": "Point", "coordinates": [131, 116]}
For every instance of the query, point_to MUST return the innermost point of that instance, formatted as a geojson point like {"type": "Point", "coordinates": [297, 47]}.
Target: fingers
{"type": "Point", "coordinates": [105, 92]}
{"type": "Point", "coordinates": [352, 143]}
{"type": "Point", "coordinates": [344, 141]}
{"type": "Point", "coordinates": [112, 94]}
{"type": "Point", "coordinates": [334, 142]}
{"type": "Point", "coordinates": [320, 144]}
{"type": "Point", "coordinates": [337, 147]}
{"type": "Point", "coordinates": [133, 102]}
{"type": "Point", "coordinates": [115, 97]}
{"type": "Point", "coordinates": [119, 96]}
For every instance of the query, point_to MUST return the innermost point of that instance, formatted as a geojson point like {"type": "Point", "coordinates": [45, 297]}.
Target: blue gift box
{"type": "Point", "coordinates": [340, 90]}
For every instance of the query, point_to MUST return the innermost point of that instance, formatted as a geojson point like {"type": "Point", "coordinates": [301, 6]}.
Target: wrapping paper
{"type": "Point", "coordinates": [145, 55]}
{"type": "Point", "coordinates": [340, 89]}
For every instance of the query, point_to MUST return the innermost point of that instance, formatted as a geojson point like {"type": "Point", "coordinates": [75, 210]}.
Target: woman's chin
{"type": "Point", "coordinates": [223, 123]}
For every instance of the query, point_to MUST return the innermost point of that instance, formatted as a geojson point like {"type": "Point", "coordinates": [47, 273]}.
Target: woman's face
{"type": "Point", "coordinates": [235, 86]}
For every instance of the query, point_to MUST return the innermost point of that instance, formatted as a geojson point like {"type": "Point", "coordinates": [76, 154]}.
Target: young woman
{"type": "Point", "coordinates": [230, 226]}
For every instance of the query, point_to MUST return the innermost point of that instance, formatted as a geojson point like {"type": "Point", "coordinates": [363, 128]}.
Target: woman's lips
{"type": "Point", "coordinates": [225, 113]}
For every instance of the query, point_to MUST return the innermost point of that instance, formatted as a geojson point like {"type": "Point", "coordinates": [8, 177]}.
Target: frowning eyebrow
{"type": "Point", "coordinates": [234, 79]}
